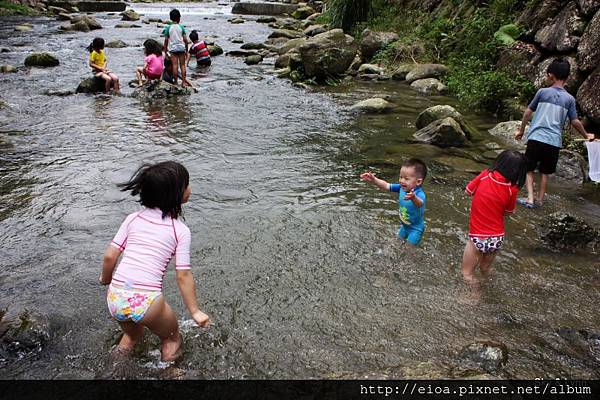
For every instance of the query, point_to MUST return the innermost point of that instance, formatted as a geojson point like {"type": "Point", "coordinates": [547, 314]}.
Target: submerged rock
{"type": "Point", "coordinates": [116, 44]}
{"type": "Point", "coordinates": [488, 356]}
{"type": "Point", "coordinates": [214, 50]}
{"type": "Point", "coordinates": [425, 71]}
{"type": "Point", "coordinates": [90, 85]}
{"type": "Point", "coordinates": [160, 90]}
{"type": "Point", "coordinates": [373, 106]}
{"type": "Point", "coordinates": [434, 113]}
{"type": "Point", "coordinates": [21, 336]}
{"type": "Point", "coordinates": [563, 231]}
{"type": "Point", "coordinates": [130, 15]}
{"type": "Point", "coordinates": [429, 86]}
{"type": "Point", "coordinates": [7, 68]}
{"type": "Point", "coordinates": [41, 60]}
{"type": "Point", "coordinates": [253, 59]}
{"type": "Point", "coordinates": [444, 132]}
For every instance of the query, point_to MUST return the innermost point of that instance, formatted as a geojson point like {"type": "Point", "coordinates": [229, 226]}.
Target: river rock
{"type": "Point", "coordinates": [56, 10]}
{"type": "Point", "coordinates": [237, 40]}
{"type": "Point", "coordinates": [287, 23]}
{"type": "Point", "coordinates": [290, 45]}
{"type": "Point", "coordinates": [283, 72]}
{"type": "Point", "coordinates": [253, 59]}
{"type": "Point", "coordinates": [242, 53]}
{"type": "Point", "coordinates": [573, 82]}
{"type": "Point", "coordinates": [41, 60]}
{"type": "Point", "coordinates": [21, 336]}
{"type": "Point", "coordinates": [400, 73]}
{"type": "Point", "coordinates": [581, 344]}
{"type": "Point", "coordinates": [587, 96]}
{"type": "Point", "coordinates": [371, 69]}
{"type": "Point", "coordinates": [444, 132]}
{"type": "Point", "coordinates": [90, 85]}
{"type": "Point", "coordinates": [373, 106]}
{"type": "Point", "coordinates": [520, 59]}
{"type": "Point", "coordinates": [429, 86]}
{"type": "Point", "coordinates": [23, 28]}
{"type": "Point", "coordinates": [214, 50]}
{"type": "Point", "coordinates": [313, 30]}
{"type": "Point", "coordinates": [91, 22]}
{"type": "Point", "coordinates": [285, 33]}
{"type": "Point", "coordinates": [79, 26]}
{"type": "Point", "coordinates": [303, 12]}
{"type": "Point", "coordinates": [588, 52]}
{"type": "Point", "coordinates": [434, 113]}
{"type": "Point", "coordinates": [159, 89]}
{"type": "Point", "coordinates": [290, 59]}
{"type": "Point", "coordinates": [563, 231]}
{"type": "Point", "coordinates": [571, 166]}
{"type": "Point", "coordinates": [588, 7]}
{"type": "Point", "coordinates": [506, 132]}
{"type": "Point", "coordinates": [266, 19]}
{"type": "Point", "coordinates": [64, 17]}
{"type": "Point", "coordinates": [488, 356]}
{"type": "Point", "coordinates": [130, 15]}
{"type": "Point", "coordinates": [328, 54]}
{"type": "Point", "coordinates": [236, 20]}
{"type": "Point", "coordinates": [263, 8]}
{"type": "Point", "coordinates": [125, 26]}
{"type": "Point", "coordinates": [425, 71]}
{"type": "Point", "coordinates": [564, 32]}
{"type": "Point", "coordinates": [7, 68]}
{"type": "Point", "coordinates": [59, 93]}
{"type": "Point", "coordinates": [5, 50]}
{"type": "Point", "coordinates": [371, 42]}
{"type": "Point", "coordinates": [116, 44]}
{"type": "Point", "coordinates": [253, 46]}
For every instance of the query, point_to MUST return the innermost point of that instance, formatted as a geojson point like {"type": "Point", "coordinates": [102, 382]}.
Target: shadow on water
{"type": "Point", "coordinates": [296, 260]}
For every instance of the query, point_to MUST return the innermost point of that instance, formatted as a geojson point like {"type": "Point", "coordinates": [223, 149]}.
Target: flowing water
{"type": "Point", "coordinates": [295, 259]}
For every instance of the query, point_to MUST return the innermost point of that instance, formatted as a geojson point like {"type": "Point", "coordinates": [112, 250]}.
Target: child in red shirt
{"type": "Point", "coordinates": [494, 193]}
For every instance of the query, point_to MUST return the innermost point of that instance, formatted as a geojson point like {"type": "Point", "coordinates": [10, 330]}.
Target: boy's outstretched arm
{"type": "Point", "coordinates": [111, 255]}
{"type": "Point", "coordinates": [576, 123]}
{"type": "Point", "coordinates": [369, 177]}
{"type": "Point", "coordinates": [187, 287]}
{"type": "Point", "coordinates": [526, 117]}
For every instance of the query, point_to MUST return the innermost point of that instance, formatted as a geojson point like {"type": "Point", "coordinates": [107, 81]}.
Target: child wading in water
{"type": "Point", "coordinates": [199, 50]}
{"type": "Point", "coordinates": [153, 63]}
{"type": "Point", "coordinates": [148, 240]}
{"type": "Point", "coordinates": [494, 194]}
{"type": "Point", "coordinates": [98, 64]}
{"type": "Point", "coordinates": [411, 198]}
{"type": "Point", "coordinates": [176, 43]}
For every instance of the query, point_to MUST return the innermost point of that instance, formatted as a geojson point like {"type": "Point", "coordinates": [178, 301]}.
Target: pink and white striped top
{"type": "Point", "coordinates": [148, 243]}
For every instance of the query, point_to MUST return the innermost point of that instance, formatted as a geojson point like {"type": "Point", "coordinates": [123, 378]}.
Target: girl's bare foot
{"type": "Point", "coordinates": [171, 348]}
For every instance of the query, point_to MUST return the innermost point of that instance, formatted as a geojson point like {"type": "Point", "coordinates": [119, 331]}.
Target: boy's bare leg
{"type": "Point", "coordinates": [542, 191]}
{"type": "Point", "coordinates": [174, 68]}
{"type": "Point", "coordinates": [183, 70]}
{"type": "Point", "coordinates": [529, 184]}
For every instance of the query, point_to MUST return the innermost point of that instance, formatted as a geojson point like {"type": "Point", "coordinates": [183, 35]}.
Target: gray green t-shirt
{"type": "Point", "coordinates": [552, 107]}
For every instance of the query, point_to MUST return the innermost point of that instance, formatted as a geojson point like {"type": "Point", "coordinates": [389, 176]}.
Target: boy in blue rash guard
{"type": "Point", "coordinates": [411, 198]}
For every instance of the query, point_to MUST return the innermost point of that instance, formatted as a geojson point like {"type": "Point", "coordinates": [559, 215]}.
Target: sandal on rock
{"type": "Point", "coordinates": [523, 201]}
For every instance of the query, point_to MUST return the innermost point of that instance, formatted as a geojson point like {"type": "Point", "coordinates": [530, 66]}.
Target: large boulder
{"type": "Point", "coordinates": [564, 31]}
{"type": "Point", "coordinates": [290, 45]}
{"type": "Point", "coordinates": [313, 30]}
{"type": "Point", "coordinates": [506, 132]}
{"type": "Point", "coordinates": [444, 132]}
{"type": "Point", "coordinates": [566, 232]}
{"type": "Point", "coordinates": [90, 85]}
{"type": "Point", "coordinates": [41, 60]}
{"type": "Point", "coordinates": [130, 15]}
{"type": "Point", "coordinates": [214, 50]}
{"type": "Point", "coordinates": [79, 26]}
{"type": "Point", "coordinates": [303, 12]}
{"type": "Point", "coordinates": [424, 71]}
{"type": "Point", "coordinates": [588, 52]}
{"type": "Point", "coordinates": [588, 7]}
{"type": "Point", "coordinates": [287, 23]}
{"type": "Point", "coordinates": [263, 8]}
{"type": "Point", "coordinates": [485, 355]}
{"type": "Point", "coordinates": [429, 86]}
{"type": "Point", "coordinates": [587, 96]}
{"type": "Point", "coordinates": [400, 73]}
{"type": "Point", "coordinates": [373, 106]}
{"type": "Point", "coordinates": [80, 22]}
{"type": "Point", "coordinates": [160, 90]}
{"type": "Point", "coordinates": [371, 42]}
{"type": "Point", "coordinates": [520, 59]}
{"type": "Point", "coordinates": [328, 54]}
{"type": "Point", "coordinates": [537, 14]}
{"type": "Point", "coordinates": [573, 82]}
{"type": "Point", "coordinates": [571, 166]}
{"type": "Point", "coordinates": [434, 113]}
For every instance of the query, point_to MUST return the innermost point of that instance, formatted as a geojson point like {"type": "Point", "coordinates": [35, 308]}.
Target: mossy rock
{"type": "Point", "coordinates": [507, 34]}
{"type": "Point", "coordinates": [214, 50]}
{"type": "Point", "coordinates": [41, 60]}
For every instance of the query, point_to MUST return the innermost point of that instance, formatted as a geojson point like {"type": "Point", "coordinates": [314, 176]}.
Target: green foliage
{"type": "Point", "coordinates": [507, 34]}
{"type": "Point", "coordinates": [346, 14]}
{"type": "Point", "coordinates": [323, 19]}
{"type": "Point", "coordinates": [11, 9]}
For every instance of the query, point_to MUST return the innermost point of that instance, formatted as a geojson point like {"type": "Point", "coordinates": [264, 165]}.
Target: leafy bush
{"type": "Point", "coordinates": [7, 8]}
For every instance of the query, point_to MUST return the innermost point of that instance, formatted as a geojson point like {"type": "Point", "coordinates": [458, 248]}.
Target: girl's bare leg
{"type": "Point", "coordinates": [107, 80]}
{"type": "Point", "coordinates": [132, 333]}
{"type": "Point", "coordinates": [115, 81]}
{"type": "Point", "coordinates": [471, 257]}
{"type": "Point", "coordinates": [162, 321]}
{"type": "Point", "coordinates": [486, 262]}
{"type": "Point", "coordinates": [139, 73]}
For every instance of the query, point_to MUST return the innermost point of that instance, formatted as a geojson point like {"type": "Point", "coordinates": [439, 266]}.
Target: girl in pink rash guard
{"type": "Point", "coordinates": [147, 240]}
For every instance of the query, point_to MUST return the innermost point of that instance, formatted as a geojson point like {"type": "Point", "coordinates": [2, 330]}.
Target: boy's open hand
{"type": "Point", "coordinates": [591, 137]}
{"type": "Point", "coordinates": [410, 195]}
{"type": "Point", "coordinates": [201, 319]}
{"type": "Point", "coordinates": [368, 177]}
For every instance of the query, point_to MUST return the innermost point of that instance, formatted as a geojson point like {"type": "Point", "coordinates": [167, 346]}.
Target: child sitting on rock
{"type": "Point", "coordinates": [167, 75]}
{"type": "Point", "coordinates": [153, 63]}
{"type": "Point", "coordinates": [98, 64]}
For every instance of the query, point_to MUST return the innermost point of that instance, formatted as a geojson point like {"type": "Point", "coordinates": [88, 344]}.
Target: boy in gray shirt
{"type": "Point", "coordinates": [552, 106]}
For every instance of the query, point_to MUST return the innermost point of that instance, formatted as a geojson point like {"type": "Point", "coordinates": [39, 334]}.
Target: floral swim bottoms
{"type": "Point", "coordinates": [487, 244]}
{"type": "Point", "coordinates": [129, 304]}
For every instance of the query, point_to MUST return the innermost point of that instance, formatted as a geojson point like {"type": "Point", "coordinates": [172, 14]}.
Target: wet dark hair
{"type": "Point", "coordinates": [151, 46]}
{"type": "Point", "coordinates": [194, 35]}
{"type": "Point", "coordinates": [560, 68]}
{"type": "Point", "coordinates": [512, 165]}
{"type": "Point", "coordinates": [97, 44]}
{"type": "Point", "coordinates": [418, 165]}
{"type": "Point", "coordinates": [160, 185]}
{"type": "Point", "coordinates": [175, 15]}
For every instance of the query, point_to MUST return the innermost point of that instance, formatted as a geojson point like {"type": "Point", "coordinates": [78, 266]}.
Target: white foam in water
{"type": "Point", "coordinates": [157, 364]}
